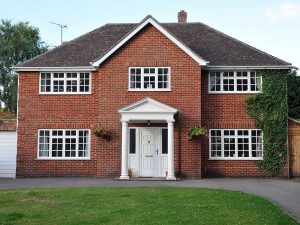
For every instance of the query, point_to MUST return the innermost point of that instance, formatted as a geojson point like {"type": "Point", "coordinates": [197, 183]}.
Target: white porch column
{"type": "Point", "coordinates": [171, 173]}
{"type": "Point", "coordinates": [124, 162]}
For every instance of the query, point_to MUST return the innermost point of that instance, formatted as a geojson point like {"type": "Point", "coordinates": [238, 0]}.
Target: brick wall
{"type": "Point", "coordinates": [225, 111]}
{"type": "Point", "coordinates": [110, 84]}
{"type": "Point", "coordinates": [53, 111]}
{"type": "Point", "coordinates": [151, 48]}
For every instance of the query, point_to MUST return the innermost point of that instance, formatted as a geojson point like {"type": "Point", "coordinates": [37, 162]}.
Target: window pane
{"type": "Point", "coordinates": [45, 82]}
{"type": "Point", "coordinates": [257, 146]}
{"type": "Point", "coordinates": [84, 82]}
{"type": "Point", "coordinates": [44, 142]}
{"type": "Point", "coordinates": [164, 141]}
{"type": "Point", "coordinates": [132, 141]}
{"type": "Point", "coordinates": [216, 143]}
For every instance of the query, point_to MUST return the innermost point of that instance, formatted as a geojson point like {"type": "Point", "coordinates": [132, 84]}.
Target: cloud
{"type": "Point", "coordinates": [284, 11]}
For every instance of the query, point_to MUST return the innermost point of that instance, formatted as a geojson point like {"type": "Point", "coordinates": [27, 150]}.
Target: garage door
{"type": "Point", "coordinates": [8, 153]}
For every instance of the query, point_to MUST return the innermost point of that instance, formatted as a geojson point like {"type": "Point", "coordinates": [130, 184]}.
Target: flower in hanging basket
{"type": "Point", "coordinates": [100, 131]}
{"type": "Point", "coordinates": [197, 132]}
{"type": "Point", "coordinates": [108, 135]}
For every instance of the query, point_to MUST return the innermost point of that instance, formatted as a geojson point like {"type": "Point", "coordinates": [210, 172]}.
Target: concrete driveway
{"type": "Point", "coordinates": [285, 193]}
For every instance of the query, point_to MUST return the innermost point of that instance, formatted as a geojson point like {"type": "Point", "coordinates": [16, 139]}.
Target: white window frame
{"type": "Point", "coordinates": [156, 79]}
{"type": "Point", "coordinates": [235, 78]}
{"type": "Point", "coordinates": [64, 138]}
{"type": "Point", "coordinates": [65, 79]}
{"type": "Point", "coordinates": [236, 147]}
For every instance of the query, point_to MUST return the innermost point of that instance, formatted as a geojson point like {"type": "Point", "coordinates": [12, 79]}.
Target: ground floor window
{"type": "Point", "coordinates": [63, 143]}
{"type": "Point", "coordinates": [235, 144]}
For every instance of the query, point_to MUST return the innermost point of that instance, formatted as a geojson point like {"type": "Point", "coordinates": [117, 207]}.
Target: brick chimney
{"type": "Point", "coordinates": [182, 16]}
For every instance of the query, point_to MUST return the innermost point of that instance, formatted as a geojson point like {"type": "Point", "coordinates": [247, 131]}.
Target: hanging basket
{"type": "Point", "coordinates": [101, 131]}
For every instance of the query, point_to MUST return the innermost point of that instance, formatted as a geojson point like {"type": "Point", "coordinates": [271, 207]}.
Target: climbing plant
{"type": "Point", "coordinates": [269, 109]}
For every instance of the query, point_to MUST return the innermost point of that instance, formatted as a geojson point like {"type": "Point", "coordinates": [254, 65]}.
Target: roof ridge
{"type": "Point", "coordinates": [62, 45]}
{"type": "Point", "coordinates": [243, 43]}
{"type": "Point", "coordinates": [120, 23]}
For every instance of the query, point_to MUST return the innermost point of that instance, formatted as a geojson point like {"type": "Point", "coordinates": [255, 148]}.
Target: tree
{"type": "Point", "coordinates": [294, 94]}
{"type": "Point", "coordinates": [6, 115]}
{"type": "Point", "coordinates": [18, 42]}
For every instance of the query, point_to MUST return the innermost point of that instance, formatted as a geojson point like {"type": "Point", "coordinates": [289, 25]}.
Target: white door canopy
{"type": "Point", "coordinates": [148, 109]}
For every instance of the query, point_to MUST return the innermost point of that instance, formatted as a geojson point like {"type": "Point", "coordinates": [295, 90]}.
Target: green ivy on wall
{"type": "Point", "coordinates": [269, 109]}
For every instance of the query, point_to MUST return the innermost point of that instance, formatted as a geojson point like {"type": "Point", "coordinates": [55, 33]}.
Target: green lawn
{"type": "Point", "coordinates": [159, 205]}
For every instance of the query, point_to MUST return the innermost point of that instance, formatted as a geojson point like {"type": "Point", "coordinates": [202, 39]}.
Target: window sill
{"type": "Point", "coordinates": [235, 92]}
{"type": "Point", "coordinates": [62, 93]}
{"type": "Point", "coordinates": [149, 90]}
{"type": "Point", "coordinates": [237, 159]}
{"type": "Point", "coordinates": [68, 159]}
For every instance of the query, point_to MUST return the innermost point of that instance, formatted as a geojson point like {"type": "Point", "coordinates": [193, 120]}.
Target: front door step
{"type": "Point", "coordinates": [148, 179]}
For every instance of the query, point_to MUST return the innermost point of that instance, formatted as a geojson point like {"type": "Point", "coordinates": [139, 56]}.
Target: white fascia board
{"type": "Point", "coordinates": [187, 50]}
{"type": "Point", "coordinates": [54, 69]}
{"type": "Point", "coordinates": [248, 67]}
{"type": "Point", "coordinates": [145, 100]}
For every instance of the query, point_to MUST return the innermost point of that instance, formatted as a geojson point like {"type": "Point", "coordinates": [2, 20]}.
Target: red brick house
{"type": "Point", "coordinates": [149, 84]}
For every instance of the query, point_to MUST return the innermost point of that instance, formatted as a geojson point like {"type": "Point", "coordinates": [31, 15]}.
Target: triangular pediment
{"type": "Point", "coordinates": [148, 105]}
{"type": "Point", "coordinates": [150, 20]}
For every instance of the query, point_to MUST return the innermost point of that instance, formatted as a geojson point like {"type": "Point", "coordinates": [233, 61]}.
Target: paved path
{"type": "Point", "coordinates": [285, 193]}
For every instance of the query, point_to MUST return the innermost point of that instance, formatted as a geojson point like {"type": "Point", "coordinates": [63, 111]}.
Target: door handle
{"type": "Point", "coordinates": [156, 151]}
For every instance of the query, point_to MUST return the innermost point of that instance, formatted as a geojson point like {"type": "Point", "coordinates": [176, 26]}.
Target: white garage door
{"type": "Point", "coordinates": [8, 153]}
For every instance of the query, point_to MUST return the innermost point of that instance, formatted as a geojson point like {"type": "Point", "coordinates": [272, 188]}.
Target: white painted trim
{"type": "Point", "coordinates": [236, 149]}
{"type": "Point", "coordinates": [63, 136]}
{"type": "Point", "coordinates": [247, 67]}
{"type": "Point", "coordinates": [54, 69]}
{"type": "Point", "coordinates": [151, 21]}
{"type": "Point", "coordinates": [145, 100]}
{"type": "Point", "coordinates": [156, 79]}
{"type": "Point", "coordinates": [65, 84]}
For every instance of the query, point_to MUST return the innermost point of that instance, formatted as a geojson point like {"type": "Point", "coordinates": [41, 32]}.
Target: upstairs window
{"type": "Point", "coordinates": [149, 78]}
{"type": "Point", "coordinates": [234, 82]}
{"type": "Point", "coordinates": [65, 83]}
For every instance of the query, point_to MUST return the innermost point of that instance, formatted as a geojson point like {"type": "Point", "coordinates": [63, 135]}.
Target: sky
{"type": "Point", "coordinates": [269, 25]}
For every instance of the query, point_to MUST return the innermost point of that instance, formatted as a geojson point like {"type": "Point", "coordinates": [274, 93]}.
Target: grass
{"type": "Point", "coordinates": [159, 205]}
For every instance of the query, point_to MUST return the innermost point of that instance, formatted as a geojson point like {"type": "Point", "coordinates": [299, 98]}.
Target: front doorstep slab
{"type": "Point", "coordinates": [146, 179]}
{"type": "Point", "coordinates": [171, 179]}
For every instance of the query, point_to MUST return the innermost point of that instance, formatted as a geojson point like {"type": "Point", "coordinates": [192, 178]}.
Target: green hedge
{"type": "Point", "coordinates": [269, 109]}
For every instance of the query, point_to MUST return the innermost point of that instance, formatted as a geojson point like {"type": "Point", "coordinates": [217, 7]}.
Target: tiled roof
{"type": "Point", "coordinates": [214, 46]}
{"type": "Point", "coordinates": [8, 125]}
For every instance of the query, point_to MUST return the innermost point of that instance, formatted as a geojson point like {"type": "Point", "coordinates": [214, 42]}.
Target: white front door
{"type": "Point", "coordinates": [149, 153]}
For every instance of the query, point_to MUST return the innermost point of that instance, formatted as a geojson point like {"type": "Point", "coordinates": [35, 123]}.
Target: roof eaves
{"type": "Point", "coordinates": [271, 67]}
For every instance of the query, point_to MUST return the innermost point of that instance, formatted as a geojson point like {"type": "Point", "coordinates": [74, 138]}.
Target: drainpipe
{"type": "Point", "coordinates": [287, 138]}
{"type": "Point", "coordinates": [288, 151]}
